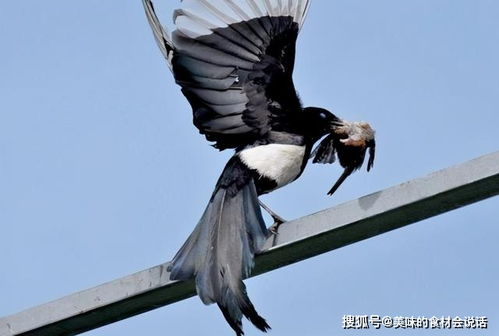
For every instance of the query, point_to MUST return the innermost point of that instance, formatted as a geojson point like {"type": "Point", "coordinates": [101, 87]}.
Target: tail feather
{"type": "Point", "coordinates": [220, 251]}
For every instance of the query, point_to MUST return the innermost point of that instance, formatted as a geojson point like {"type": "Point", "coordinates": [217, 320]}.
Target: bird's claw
{"type": "Point", "coordinates": [277, 222]}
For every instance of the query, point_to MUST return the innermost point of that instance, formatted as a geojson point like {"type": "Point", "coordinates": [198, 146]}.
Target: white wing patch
{"type": "Point", "coordinates": [200, 17]}
{"type": "Point", "coordinates": [281, 163]}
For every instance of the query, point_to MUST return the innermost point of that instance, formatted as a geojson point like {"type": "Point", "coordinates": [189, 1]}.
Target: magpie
{"type": "Point", "coordinates": [233, 60]}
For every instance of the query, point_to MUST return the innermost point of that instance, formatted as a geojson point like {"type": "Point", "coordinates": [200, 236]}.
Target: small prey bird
{"type": "Point", "coordinates": [234, 61]}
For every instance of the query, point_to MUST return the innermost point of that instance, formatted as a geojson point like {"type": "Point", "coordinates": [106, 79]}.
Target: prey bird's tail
{"type": "Point", "coordinates": [219, 252]}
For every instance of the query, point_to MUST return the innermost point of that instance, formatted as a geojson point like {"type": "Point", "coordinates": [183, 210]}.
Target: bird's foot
{"type": "Point", "coordinates": [277, 222]}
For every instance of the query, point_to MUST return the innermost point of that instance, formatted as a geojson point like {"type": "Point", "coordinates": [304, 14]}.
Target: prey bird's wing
{"type": "Point", "coordinates": [234, 60]}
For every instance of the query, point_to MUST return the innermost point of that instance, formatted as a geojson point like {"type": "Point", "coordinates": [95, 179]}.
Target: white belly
{"type": "Point", "coordinates": [281, 163]}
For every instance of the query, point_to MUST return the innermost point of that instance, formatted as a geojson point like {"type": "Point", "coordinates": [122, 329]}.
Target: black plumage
{"type": "Point", "coordinates": [234, 61]}
{"type": "Point", "coordinates": [238, 79]}
{"type": "Point", "coordinates": [227, 237]}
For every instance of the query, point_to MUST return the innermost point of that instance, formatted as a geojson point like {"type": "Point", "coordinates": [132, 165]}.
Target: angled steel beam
{"type": "Point", "coordinates": [300, 239]}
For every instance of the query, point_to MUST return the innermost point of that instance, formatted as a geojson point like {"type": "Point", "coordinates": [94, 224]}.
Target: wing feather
{"type": "Point", "coordinates": [234, 61]}
{"type": "Point", "coordinates": [215, 97]}
{"type": "Point", "coordinates": [160, 33]}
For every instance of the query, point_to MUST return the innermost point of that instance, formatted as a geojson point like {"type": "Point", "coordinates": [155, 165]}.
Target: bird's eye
{"type": "Point", "coordinates": [322, 115]}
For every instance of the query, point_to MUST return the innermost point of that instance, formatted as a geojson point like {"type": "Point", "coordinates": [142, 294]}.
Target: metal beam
{"type": "Point", "coordinates": [300, 239]}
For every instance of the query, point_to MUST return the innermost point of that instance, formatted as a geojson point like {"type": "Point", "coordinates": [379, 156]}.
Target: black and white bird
{"type": "Point", "coordinates": [234, 61]}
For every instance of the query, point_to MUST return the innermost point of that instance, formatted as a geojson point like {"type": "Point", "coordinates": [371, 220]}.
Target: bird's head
{"type": "Point", "coordinates": [318, 122]}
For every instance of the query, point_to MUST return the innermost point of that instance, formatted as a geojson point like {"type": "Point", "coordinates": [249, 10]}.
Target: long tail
{"type": "Point", "coordinates": [219, 252]}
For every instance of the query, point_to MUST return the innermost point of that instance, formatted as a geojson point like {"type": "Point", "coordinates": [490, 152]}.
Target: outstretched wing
{"type": "Point", "coordinates": [234, 61]}
{"type": "Point", "coordinates": [161, 35]}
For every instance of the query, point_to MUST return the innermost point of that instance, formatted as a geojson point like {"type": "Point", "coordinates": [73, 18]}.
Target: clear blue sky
{"type": "Point", "coordinates": [102, 173]}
